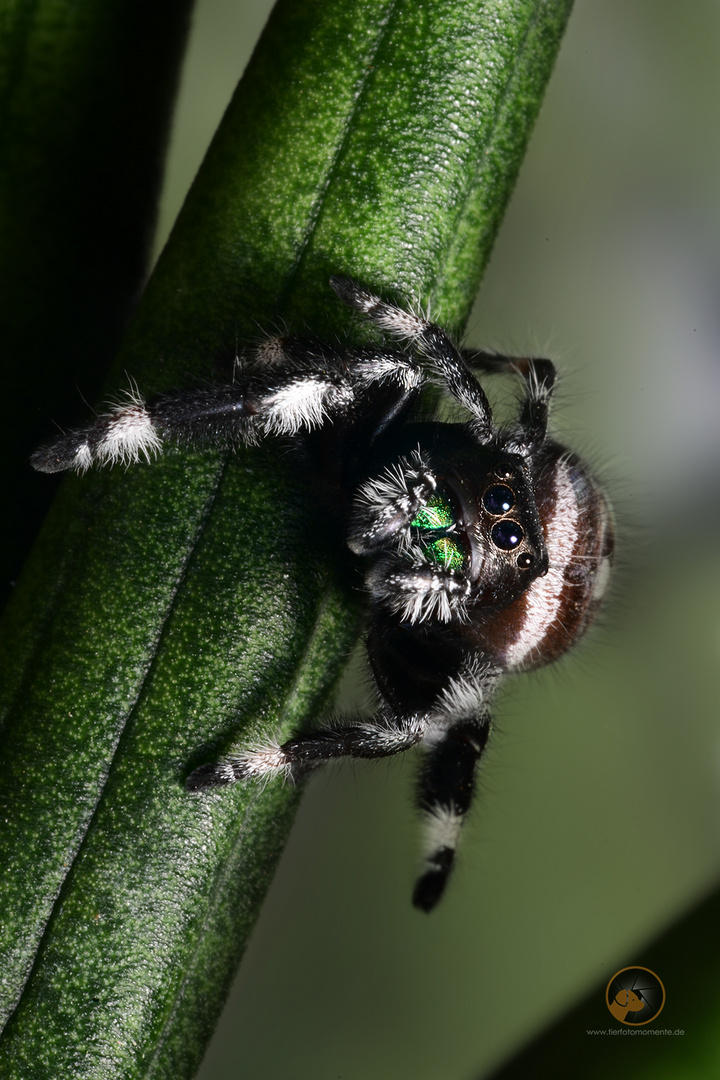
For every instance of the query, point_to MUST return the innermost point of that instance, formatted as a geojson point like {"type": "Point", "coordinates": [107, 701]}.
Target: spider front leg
{"type": "Point", "coordinates": [214, 415]}
{"type": "Point", "coordinates": [538, 375]}
{"type": "Point", "coordinates": [439, 350]}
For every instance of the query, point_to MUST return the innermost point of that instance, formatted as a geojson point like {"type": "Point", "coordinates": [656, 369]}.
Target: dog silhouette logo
{"type": "Point", "coordinates": [635, 996]}
{"type": "Point", "coordinates": [625, 1001]}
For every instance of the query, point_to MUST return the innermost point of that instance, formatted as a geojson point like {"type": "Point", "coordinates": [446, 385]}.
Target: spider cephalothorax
{"type": "Point", "coordinates": [486, 549]}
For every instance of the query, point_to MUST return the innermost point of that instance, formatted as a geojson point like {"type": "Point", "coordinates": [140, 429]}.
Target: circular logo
{"type": "Point", "coordinates": [635, 996]}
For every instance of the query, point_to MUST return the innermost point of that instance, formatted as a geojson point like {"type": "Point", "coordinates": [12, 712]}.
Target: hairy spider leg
{"type": "Point", "coordinates": [216, 414]}
{"type": "Point", "coordinates": [309, 389]}
{"type": "Point", "coordinates": [455, 731]}
{"type": "Point", "coordinates": [437, 347]}
{"type": "Point", "coordinates": [298, 398]}
{"type": "Point", "coordinates": [446, 789]}
{"type": "Point", "coordinates": [375, 737]}
{"type": "Point", "coordinates": [538, 376]}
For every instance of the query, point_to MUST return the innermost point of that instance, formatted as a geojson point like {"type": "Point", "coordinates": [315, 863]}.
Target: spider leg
{"type": "Point", "coordinates": [444, 358]}
{"type": "Point", "coordinates": [539, 378]}
{"type": "Point", "coordinates": [459, 725]}
{"type": "Point", "coordinates": [379, 736]}
{"type": "Point", "coordinates": [540, 382]}
{"type": "Point", "coordinates": [217, 414]}
{"type": "Point", "coordinates": [445, 794]}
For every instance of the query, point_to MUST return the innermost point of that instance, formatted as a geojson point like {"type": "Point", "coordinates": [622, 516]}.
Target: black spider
{"type": "Point", "coordinates": [487, 549]}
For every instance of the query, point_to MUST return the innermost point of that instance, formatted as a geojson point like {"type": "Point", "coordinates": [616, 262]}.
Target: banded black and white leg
{"type": "Point", "coordinates": [216, 414]}
{"type": "Point", "coordinates": [444, 358]}
{"type": "Point", "coordinates": [376, 737]}
{"type": "Point", "coordinates": [454, 731]}
{"type": "Point", "coordinates": [539, 377]}
{"type": "Point", "coordinates": [459, 726]}
{"type": "Point", "coordinates": [455, 366]}
{"type": "Point", "coordinates": [445, 794]}
{"type": "Point", "coordinates": [311, 388]}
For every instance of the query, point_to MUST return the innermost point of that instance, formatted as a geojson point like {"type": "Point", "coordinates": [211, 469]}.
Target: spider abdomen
{"type": "Point", "coordinates": [555, 610]}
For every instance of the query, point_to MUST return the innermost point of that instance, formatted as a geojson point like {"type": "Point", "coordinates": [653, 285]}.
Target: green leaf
{"type": "Point", "coordinates": [169, 610]}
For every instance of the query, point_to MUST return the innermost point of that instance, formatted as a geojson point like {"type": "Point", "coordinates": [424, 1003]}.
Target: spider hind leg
{"type": "Point", "coordinates": [376, 737]}
{"type": "Point", "coordinates": [445, 794]}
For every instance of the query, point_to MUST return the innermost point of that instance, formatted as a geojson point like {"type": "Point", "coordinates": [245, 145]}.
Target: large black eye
{"type": "Point", "coordinates": [507, 535]}
{"type": "Point", "coordinates": [498, 499]}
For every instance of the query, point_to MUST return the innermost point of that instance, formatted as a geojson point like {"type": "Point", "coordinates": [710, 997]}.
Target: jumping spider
{"type": "Point", "coordinates": [486, 549]}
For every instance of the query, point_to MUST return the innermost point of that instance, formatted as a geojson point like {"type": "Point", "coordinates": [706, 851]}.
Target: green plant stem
{"type": "Point", "coordinates": [200, 600]}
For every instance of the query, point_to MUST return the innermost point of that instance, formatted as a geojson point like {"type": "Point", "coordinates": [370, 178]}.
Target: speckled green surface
{"type": "Point", "coordinates": [170, 608]}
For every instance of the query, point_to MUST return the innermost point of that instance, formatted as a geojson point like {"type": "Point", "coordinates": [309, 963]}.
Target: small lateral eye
{"type": "Point", "coordinates": [498, 499]}
{"type": "Point", "coordinates": [504, 472]}
{"type": "Point", "coordinates": [524, 561]}
{"type": "Point", "coordinates": [507, 535]}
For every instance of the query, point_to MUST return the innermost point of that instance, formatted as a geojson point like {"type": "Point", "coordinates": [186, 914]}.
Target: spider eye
{"type": "Point", "coordinates": [524, 561]}
{"type": "Point", "coordinates": [507, 535]}
{"type": "Point", "coordinates": [504, 471]}
{"type": "Point", "coordinates": [498, 499]}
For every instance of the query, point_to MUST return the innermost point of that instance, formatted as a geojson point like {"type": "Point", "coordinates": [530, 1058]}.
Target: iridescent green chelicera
{"type": "Point", "coordinates": [437, 516]}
